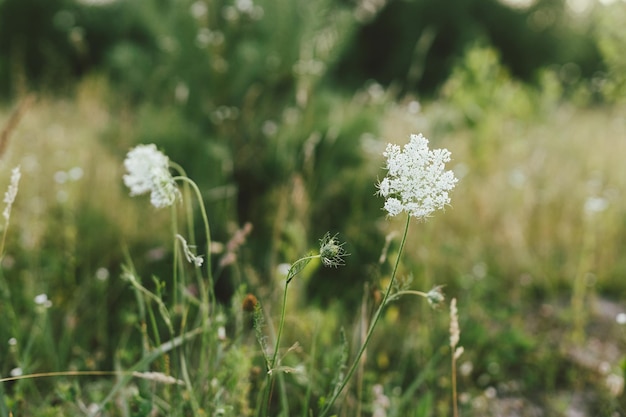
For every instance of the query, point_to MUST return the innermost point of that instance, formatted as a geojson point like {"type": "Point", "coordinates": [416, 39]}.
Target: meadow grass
{"type": "Point", "coordinates": [531, 243]}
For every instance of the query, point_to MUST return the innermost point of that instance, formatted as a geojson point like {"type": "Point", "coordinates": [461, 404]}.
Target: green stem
{"type": "Point", "coordinates": [370, 331]}
{"type": "Point", "coordinates": [293, 271]}
{"type": "Point", "coordinates": [207, 232]}
{"type": "Point", "coordinates": [272, 364]}
{"type": "Point", "coordinates": [148, 358]}
{"type": "Point", "coordinates": [175, 262]}
{"type": "Point", "coordinates": [411, 292]}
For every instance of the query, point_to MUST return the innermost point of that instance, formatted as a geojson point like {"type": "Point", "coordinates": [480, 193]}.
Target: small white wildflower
{"type": "Point", "coordinates": [198, 9]}
{"type": "Point", "coordinates": [11, 193]}
{"type": "Point", "coordinates": [466, 368]}
{"type": "Point", "coordinates": [148, 172]}
{"type": "Point", "coordinates": [621, 318]}
{"type": "Point", "coordinates": [190, 256]}
{"type": "Point", "coordinates": [15, 372]}
{"type": "Point", "coordinates": [75, 173]}
{"type": "Point", "coordinates": [42, 300]}
{"type": "Point", "coordinates": [12, 341]}
{"type": "Point", "coordinates": [491, 393]}
{"type": "Point", "coordinates": [283, 269]}
{"type": "Point", "coordinates": [93, 409]}
{"type": "Point", "coordinates": [60, 177]}
{"type": "Point", "coordinates": [381, 402]}
{"type": "Point", "coordinates": [102, 274]}
{"type": "Point", "coordinates": [417, 181]}
{"type": "Point", "coordinates": [595, 205]}
{"type": "Point", "coordinates": [615, 384]}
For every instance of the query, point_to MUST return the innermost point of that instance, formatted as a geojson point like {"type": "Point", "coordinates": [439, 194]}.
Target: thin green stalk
{"type": "Point", "coordinates": [411, 292]}
{"type": "Point", "coordinates": [207, 295]}
{"type": "Point", "coordinates": [175, 262]}
{"type": "Point", "coordinates": [293, 271]}
{"type": "Point", "coordinates": [272, 364]}
{"type": "Point", "coordinates": [370, 331]}
{"type": "Point", "coordinates": [191, 236]}
{"type": "Point", "coordinates": [207, 231]}
{"type": "Point", "coordinates": [4, 238]}
{"type": "Point", "coordinates": [192, 397]}
{"type": "Point", "coordinates": [145, 361]}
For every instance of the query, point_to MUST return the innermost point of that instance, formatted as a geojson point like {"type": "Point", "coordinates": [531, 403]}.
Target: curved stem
{"type": "Point", "coordinates": [207, 232]}
{"type": "Point", "coordinates": [411, 292]}
{"type": "Point", "coordinates": [370, 331]}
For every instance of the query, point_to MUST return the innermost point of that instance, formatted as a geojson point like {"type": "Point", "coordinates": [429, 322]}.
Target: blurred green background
{"type": "Point", "coordinates": [280, 111]}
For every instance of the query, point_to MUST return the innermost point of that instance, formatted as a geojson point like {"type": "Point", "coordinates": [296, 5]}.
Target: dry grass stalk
{"type": "Point", "coordinates": [14, 120]}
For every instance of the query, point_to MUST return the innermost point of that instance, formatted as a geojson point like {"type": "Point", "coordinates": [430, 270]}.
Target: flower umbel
{"type": "Point", "coordinates": [331, 251]}
{"type": "Point", "coordinates": [148, 172]}
{"type": "Point", "coordinates": [435, 296]}
{"type": "Point", "coordinates": [417, 181]}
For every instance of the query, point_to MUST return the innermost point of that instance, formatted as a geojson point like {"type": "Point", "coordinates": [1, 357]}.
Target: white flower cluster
{"type": "Point", "coordinates": [148, 172]}
{"type": "Point", "coordinates": [417, 181]}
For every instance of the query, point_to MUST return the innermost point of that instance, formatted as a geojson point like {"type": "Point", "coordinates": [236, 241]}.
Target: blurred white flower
{"type": "Point", "coordinates": [199, 9]}
{"type": "Point", "coordinates": [42, 300]}
{"type": "Point", "coordinates": [15, 372]}
{"type": "Point", "coordinates": [380, 402]}
{"type": "Point", "coordinates": [11, 193]}
{"type": "Point", "coordinates": [595, 205]}
{"type": "Point", "coordinates": [148, 172]}
{"type": "Point", "coordinates": [417, 181]}
{"type": "Point", "coordinates": [621, 318]}
{"type": "Point", "coordinates": [283, 269]}
{"type": "Point", "coordinates": [75, 173]}
{"type": "Point", "coordinates": [102, 274]}
{"type": "Point", "coordinates": [615, 384]}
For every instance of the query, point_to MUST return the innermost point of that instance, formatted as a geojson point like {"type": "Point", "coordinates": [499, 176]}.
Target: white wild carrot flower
{"type": "Point", "coordinates": [331, 251]}
{"type": "Point", "coordinates": [11, 193]}
{"type": "Point", "coordinates": [417, 181]}
{"type": "Point", "coordinates": [148, 171]}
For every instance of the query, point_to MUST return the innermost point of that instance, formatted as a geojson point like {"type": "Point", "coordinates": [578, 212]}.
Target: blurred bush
{"type": "Point", "coordinates": [416, 43]}
{"type": "Point", "coordinates": [611, 39]}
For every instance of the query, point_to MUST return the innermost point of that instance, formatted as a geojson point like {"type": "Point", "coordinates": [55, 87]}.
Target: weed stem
{"type": "Point", "coordinates": [370, 331]}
